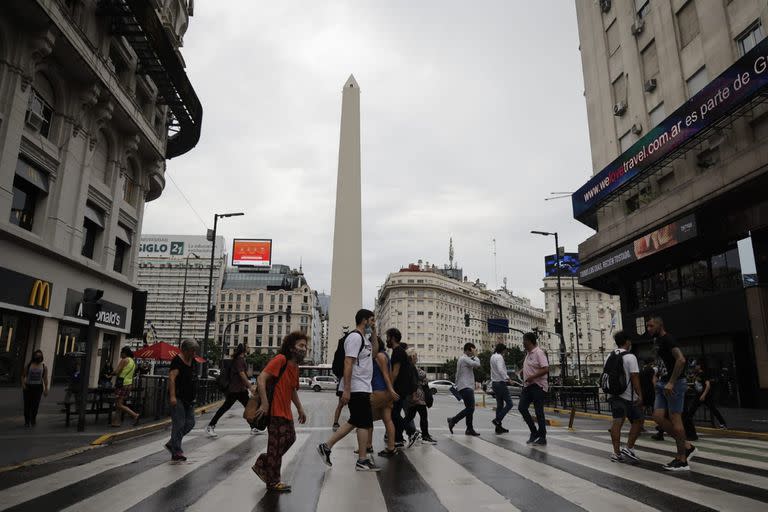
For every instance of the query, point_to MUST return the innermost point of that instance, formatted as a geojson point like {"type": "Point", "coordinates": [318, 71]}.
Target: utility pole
{"type": "Point", "coordinates": [91, 309]}
{"type": "Point", "coordinates": [559, 322]}
{"type": "Point", "coordinates": [576, 325]}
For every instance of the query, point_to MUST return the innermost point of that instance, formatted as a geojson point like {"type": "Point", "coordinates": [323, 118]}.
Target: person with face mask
{"type": "Point", "coordinates": [237, 392]}
{"type": "Point", "coordinates": [284, 370]}
{"type": "Point", "coordinates": [34, 384]}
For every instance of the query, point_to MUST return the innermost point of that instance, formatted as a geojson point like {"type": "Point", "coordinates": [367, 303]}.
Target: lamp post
{"type": "Point", "coordinates": [558, 328]}
{"type": "Point", "coordinates": [576, 325]}
{"type": "Point", "coordinates": [208, 315]}
{"type": "Point", "coordinates": [184, 293]}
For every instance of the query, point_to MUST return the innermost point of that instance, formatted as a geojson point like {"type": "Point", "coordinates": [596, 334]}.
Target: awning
{"type": "Point", "coordinates": [95, 216]}
{"type": "Point", "coordinates": [32, 175]}
{"type": "Point", "coordinates": [123, 235]}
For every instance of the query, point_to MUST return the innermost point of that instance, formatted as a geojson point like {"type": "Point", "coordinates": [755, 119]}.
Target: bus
{"type": "Point", "coordinates": [314, 371]}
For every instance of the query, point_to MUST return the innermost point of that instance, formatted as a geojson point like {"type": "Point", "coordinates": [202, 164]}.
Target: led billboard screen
{"type": "Point", "coordinates": [252, 253]}
{"type": "Point", "coordinates": [569, 265]}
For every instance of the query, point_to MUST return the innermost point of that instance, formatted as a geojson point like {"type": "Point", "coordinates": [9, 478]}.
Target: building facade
{"type": "Point", "coordinates": [174, 271]}
{"type": "Point", "coordinates": [427, 304]}
{"type": "Point", "coordinates": [83, 143]}
{"type": "Point", "coordinates": [252, 309]}
{"type": "Point", "coordinates": [678, 125]}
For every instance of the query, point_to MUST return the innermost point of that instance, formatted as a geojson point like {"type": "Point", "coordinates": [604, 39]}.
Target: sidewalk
{"type": "Point", "coordinates": [50, 437]}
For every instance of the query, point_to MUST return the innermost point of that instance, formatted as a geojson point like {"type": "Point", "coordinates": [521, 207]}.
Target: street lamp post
{"type": "Point", "coordinates": [558, 329]}
{"type": "Point", "coordinates": [208, 316]}
{"type": "Point", "coordinates": [184, 293]}
{"type": "Point", "coordinates": [576, 325]}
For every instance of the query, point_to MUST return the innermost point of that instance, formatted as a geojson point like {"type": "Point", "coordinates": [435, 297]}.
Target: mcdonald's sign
{"type": "Point", "coordinates": [40, 296]}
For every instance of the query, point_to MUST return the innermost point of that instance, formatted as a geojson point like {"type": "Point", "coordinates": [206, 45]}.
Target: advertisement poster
{"type": "Point", "coordinates": [252, 253]}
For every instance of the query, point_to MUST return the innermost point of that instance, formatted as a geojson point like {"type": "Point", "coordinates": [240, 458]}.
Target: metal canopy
{"type": "Point", "coordinates": [137, 21]}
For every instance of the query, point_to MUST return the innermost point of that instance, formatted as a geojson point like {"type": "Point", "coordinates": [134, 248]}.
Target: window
{"type": "Point", "coordinates": [122, 246]}
{"type": "Point", "coordinates": [612, 38]}
{"type": "Point", "coordinates": [259, 329]}
{"type": "Point", "coordinates": [100, 160]}
{"type": "Point", "coordinates": [290, 299]}
{"type": "Point", "coordinates": [626, 141]}
{"type": "Point", "coordinates": [642, 7]}
{"type": "Point", "coordinates": [688, 23]}
{"type": "Point", "coordinates": [247, 297]}
{"type": "Point", "coordinates": [657, 115]}
{"type": "Point", "coordinates": [697, 81]}
{"type": "Point", "coordinates": [750, 37]}
{"type": "Point", "coordinates": [245, 340]}
{"type": "Point", "coordinates": [650, 60]}
{"type": "Point", "coordinates": [25, 196]}
{"type": "Point", "coordinates": [93, 225]}
{"type": "Point", "coordinates": [40, 109]}
{"type": "Point", "coordinates": [620, 88]}
{"type": "Point", "coordinates": [129, 183]}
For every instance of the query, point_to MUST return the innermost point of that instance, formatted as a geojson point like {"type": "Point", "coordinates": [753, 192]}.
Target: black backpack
{"type": "Point", "coordinates": [338, 357]}
{"type": "Point", "coordinates": [410, 379]}
{"type": "Point", "coordinates": [614, 379]}
{"type": "Point", "coordinates": [224, 378]}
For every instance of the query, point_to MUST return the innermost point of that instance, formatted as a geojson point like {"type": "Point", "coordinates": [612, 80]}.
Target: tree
{"type": "Point", "coordinates": [257, 360]}
{"type": "Point", "coordinates": [214, 354]}
{"type": "Point", "coordinates": [514, 357]}
{"type": "Point", "coordinates": [449, 368]}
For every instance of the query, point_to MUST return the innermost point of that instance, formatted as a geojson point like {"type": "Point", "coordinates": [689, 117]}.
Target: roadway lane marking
{"type": "Point", "coordinates": [242, 483]}
{"type": "Point", "coordinates": [24, 492]}
{"type": "Point", "coordinates": [140, 487]}
{"type": "Point", "coordinates": [574, 489]}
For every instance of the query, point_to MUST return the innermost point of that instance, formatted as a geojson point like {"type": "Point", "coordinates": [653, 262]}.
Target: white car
{"type": "Point", "coordinates": [322, 382]}
{"type": "Point", "coordinates": [305, 383]}
{"type": "Point", "coordinates": [440, 386]}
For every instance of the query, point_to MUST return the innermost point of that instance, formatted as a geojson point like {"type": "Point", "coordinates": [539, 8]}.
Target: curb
{"type": "Point", "coordinates": [48, 458]}
{"type": "Point", "coordinates": [743, 434]}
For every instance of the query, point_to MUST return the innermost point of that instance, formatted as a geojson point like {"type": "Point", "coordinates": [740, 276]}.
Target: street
{"type": "Point", "coordinates": [488, 473]}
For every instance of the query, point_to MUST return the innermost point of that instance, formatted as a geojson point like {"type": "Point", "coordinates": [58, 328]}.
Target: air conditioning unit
{"type": "Point", "coordinates": [620, 108]}
{"type": "Point", "coordinates": [605, 5]}
{"type": "Point", "coordinates": [637, 27]}
{"type": "Point", "coordinates": [650, 85]}
{"type": "Point", "coordinates": [637, 128]}
{"type": "Point", "coordinates": [34, 120]}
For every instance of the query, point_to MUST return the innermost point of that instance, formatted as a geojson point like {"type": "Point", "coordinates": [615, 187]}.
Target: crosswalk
{"type": "Point", "coordinates": [489, 473]}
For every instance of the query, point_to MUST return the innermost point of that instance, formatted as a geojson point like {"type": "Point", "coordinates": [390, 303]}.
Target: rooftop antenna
{"type": "Point", "coordinates": [301, 264]}
{"type": "Point", "coordinates": [495, 271]}
{"type": "Point", "coordinates": [450, 253]}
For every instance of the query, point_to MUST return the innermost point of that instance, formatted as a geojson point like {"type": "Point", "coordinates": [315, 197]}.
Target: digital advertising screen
{"type": "Point", "coordinates": [569, 265]}
{"type": "Point", "coordinates": [252, 252]}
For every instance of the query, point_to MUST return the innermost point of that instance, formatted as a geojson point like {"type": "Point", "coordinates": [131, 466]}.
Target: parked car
{"type": "Point", "coordinates": [515, 388]}
{"type": "Point", "coordinates": [305, 383]}
{"type": "Point", "coordinates": [322, 382]}
{"type": "Point", "coordinates": [440, 386]}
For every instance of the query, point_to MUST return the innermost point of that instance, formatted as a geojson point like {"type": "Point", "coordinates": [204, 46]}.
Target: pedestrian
{"type": "Point", "coordinates": [356, 391]}
{"type": "Point", "coordinates": [72, 391]}
{"type": "Point", "coordinates": [704, 394]}
{"type": "Point", "coordinates": [34, 385]}
{"type": "Point", "coordinates": [339, 408]}
{"type": "Point", "coordinates": [418, 400]}
{"type": "Point", "coordinates": [626, 404]}
{"type": "Point", "coordinates": [647, 383]}
{"type": "Point", "coordinates": [535, 386]}
{"type": "Point", "coordinates": [404, 383]}
{"type": "Point", "coordinates": [239, 384]}
{"type": "Point", "coordinates": [181, 393]}
{"type": "Point", "coordinates": [670, 392]}
{"type": "Point", "coordinates": [124, 373]}
{"type": "Point", "coordinates": [382, 398]}
{"type": "Point", "coordinates": [284, 369]}
{"type": "Point", "coordinates": [465, 385]}
{"type": "Point", "coordinates": [499, 380]}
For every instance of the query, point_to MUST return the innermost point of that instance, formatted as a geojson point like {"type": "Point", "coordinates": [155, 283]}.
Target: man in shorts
{"type": "Point", "coordinates": [626, 404]}
{"type": "Point", "coordinates": [356, 391]}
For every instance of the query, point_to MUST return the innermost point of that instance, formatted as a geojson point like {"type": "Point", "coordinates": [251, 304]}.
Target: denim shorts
{"type": "Point", "coordinates": [674, 404]}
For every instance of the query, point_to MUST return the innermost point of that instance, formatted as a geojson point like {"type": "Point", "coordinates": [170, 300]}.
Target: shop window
{"type": "Point", "coordinates": [726, 270]}
{"type": "Point", "coordinates": [750, 37]}
{"type": "Point", "coordinates": [673, 285]}
{"type": "Point", "coordinates": [688, 23]}
{"type": "Point", "coordinates": [93, 226]}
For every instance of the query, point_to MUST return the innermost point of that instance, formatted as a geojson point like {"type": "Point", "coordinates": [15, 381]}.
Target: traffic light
{"type": "Point", "coordinates": [212, 314]}
{"type": "Point", "coordinates": [288, 314]}
{"type": "Point", "coordinates": [466, 319]}
{"type": "Point", "coordinates": [558, 326]}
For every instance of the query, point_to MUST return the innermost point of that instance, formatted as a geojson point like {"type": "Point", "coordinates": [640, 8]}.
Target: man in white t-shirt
{"type": "Point", "coordinates": [627, 404]}
{"type": "Point", "coordinates": [355, 387]}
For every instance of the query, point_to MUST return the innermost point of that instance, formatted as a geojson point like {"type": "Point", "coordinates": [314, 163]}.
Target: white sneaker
{"type": "Point", "coordinates": [211, 431]}
{"type": "Point", "coordinates": [255, 431]}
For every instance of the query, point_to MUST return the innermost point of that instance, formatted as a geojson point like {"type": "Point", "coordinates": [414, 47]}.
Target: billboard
{"type": "Point", "coordinates": [735, 86]}
{"type": "Point", "coordinates": [252, 252]}
{"type": "Point", "coordinates": [655, 241]}
{"type": "Point", "coordinates": [178, 246]}
{"type": "Point", "coordinates": [569, 265]}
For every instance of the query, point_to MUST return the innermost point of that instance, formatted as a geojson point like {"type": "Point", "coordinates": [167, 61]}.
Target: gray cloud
{"type": "Point", "coordinates": [470, 117]}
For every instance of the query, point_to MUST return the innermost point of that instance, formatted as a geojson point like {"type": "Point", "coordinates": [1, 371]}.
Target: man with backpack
{"type": "Point", "coordinates": [356, 390]}
{"type": "Point", "coordinates": [234, 380]}
{"type": "Point", "coordinates": [621, 382]}
{"type": "Point", "coordinates": [405, 380]}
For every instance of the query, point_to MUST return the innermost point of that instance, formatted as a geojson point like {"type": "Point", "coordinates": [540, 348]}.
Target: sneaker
{"type": "Point", "coordinates": [532, 438]}
{"type": "Point", "coordinates": [501, 430]}
{"type": "Point", "coordinates": [366, 465]}
{"type": "Point", "coordinates": [496, 422]}
{"type": "Point", "coordinates": [325, 453]}
{"type": "Point", "coordinates": [178, 456]}
{"type": "Point", "coordinates": [399, 444]}
{"type": "Point", "coordinates": [472, 433]}
{"type": "Point", "coordinates": [450, 425]}
{"type": "Point", "coordinates": [676, 465]}
{"type": "Point", "coordinates": [658, 436]}
{"type": "Point", "coordinates": [255, 431]}
{"type": "Point", "coordinates": [413, 438]}
{"type": "Point", "coordinates": [617, 457]}
{"type": "Point", "coordinates": [387, 453]}
{"type": "Point", "coordinates": [630, 454]}
{"type": "Point", "coordinates": [279, 487]}
{"type": "Point", "coordinates": [540, 441]}
{"type": "Point", "coordinates": [428, 440]}
{"type": "Point", "coordinates": [210, 431]}
{"type": "Point", "coordinates": [690, 453]}
{"type": "Point", "coordinates": [336, 427]}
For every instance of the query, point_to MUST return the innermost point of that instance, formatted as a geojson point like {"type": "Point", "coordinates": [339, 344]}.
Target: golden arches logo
{"type": "Point", "coordinates": [41, 294]}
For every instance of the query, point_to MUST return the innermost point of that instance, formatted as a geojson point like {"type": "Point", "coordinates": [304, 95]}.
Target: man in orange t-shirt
{"type": "Point", "coordinates": [284, 368]}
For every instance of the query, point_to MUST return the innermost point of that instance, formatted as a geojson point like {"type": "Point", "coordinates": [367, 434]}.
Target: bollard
{"type": "Point", "coordinates": [573, 417]}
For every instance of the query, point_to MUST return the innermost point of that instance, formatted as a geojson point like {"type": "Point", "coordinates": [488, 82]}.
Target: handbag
{"type": "Point", "coordinates": [455, 392]}
{"type": "Point", "coordinates": [254, 404]}
{"type": "Point", "coordinates": [429, 398]}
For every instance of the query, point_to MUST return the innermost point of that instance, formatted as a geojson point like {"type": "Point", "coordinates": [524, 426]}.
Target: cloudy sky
{"type": "Point", "coordinates": [472, 113]}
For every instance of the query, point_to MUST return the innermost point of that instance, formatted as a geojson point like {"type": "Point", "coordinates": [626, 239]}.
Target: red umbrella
{"type": "Point", "coordinates": [161, 351]}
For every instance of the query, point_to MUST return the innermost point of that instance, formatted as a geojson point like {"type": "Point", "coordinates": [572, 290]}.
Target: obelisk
{"type": "Point", "coordinates": [347, 266]}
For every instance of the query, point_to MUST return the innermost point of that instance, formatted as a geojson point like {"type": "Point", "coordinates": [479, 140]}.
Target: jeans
{"type": "Point", "coordinates": [468, 395]}
{"type": "Point", "coordinates": [423, 418]}
{"type": "Point", "coordinates": [533, 394]}
{"type": "Point", "coordinates": [32, 396]}
{"type": "Point", "coordinates": [401, 424]}
{"type": "Point", "coordinates": [503, 400]}
{"type": "Point", "coordinates": [710, 403]}
{"type": "Point", "coordinates": [229, 401]}
{"type": "Point", "coordinates": [182, 422]}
